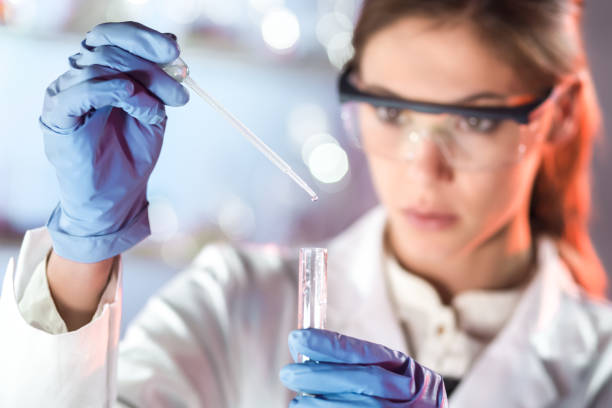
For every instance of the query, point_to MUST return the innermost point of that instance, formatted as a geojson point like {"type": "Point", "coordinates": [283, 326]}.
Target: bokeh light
{"type": "Point", "coordinates": [314, 141]}
{"type": "Point", "coordinates": [334, 31]}
{"type": "Point", "coordinates": [280, 29]}
{"type": "Point", "coordinates": [331, 24]}
{"type": "Point", "coordinates": [328, 162]}
{"type": "Point", "coordinates": [339, 49]}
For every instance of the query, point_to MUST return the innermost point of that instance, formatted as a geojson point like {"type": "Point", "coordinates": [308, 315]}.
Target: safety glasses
{"type": "Point", "coordinates": [472, 137]}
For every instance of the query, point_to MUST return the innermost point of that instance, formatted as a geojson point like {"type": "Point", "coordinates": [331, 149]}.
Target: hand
{"type": "Point", "coordinates": [347, 372]}
{"type": "Point", "coordinates": [103, 123]}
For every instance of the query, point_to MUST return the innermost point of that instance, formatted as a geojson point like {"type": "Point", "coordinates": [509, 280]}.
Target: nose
{"type": "Point", "coordinates": [425, 159]}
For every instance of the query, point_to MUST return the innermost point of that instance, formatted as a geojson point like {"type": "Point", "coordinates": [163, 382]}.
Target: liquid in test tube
{"type": "Point", "coordinates": [312, 298]}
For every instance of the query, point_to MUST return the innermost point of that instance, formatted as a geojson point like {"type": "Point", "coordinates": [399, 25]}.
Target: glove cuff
{"type": "Point", "coordinates": [96, 248]}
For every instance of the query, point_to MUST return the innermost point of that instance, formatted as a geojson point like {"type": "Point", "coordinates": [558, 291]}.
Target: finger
{"type": "Point", "coordinates": [326, 378]}
{"type": "Point", "coordinates": [74, 77]}
{"type": "Point", "coordinates": [148, 74]}
{"type": "Point", "coordinates": [99, 73]}
{"type": "Point", "coordinates": [135, 38]}
{"type": "Point", "coordinates": [65, 110]}
{"type": "Point", "coordinates": [144, 107]}
{"type": "Point", "coordinates": [344, 401]}
{"type": "Point", "coordinates": [328, 346]}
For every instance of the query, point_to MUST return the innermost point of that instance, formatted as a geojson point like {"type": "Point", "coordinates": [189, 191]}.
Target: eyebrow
{"type": "Point", "coordinates": [382, 91]}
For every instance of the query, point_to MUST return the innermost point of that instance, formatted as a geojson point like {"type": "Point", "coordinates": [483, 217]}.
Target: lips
{"type": "Point", "coordinates": [429, 220]}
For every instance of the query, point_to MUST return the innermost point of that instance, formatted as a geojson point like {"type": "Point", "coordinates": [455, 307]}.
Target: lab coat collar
{"type": "Point", "coordinates": [539, 355]}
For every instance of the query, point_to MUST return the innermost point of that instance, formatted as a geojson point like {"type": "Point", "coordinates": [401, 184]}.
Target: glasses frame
{"type": "Point", "coordinates": [521, 114]}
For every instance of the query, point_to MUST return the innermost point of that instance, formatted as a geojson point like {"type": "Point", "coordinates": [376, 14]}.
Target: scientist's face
{"type": "Point", "coordinates": [435, 209]}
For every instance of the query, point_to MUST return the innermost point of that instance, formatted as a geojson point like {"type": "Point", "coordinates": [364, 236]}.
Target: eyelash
{"type": "Point", "coordinates": [392, 116]}
{"type": "Point", "coordinates": [383, 114]}
{"type": "Point", "coordinates": [480, 125]}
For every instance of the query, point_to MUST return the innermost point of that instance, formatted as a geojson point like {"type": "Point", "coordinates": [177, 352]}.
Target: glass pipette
{"type": "Point", "coordinates": [179, 70]}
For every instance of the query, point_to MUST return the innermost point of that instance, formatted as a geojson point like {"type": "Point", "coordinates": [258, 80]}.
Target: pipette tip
{"type": "Point", "coordinates": [314, 198]}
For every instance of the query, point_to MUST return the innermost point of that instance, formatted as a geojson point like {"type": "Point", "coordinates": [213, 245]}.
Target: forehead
{"type": "Point", "coordinates": [419, 59]}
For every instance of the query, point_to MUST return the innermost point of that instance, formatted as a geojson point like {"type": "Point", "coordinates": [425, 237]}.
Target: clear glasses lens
{"type": "Point", "coordinates": [465, 142]}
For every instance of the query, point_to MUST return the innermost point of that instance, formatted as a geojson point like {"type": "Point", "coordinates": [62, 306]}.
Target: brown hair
{"type": "Point", "coordinates": [542, 40]}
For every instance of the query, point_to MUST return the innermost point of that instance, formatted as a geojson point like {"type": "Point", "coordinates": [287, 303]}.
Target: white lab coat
{"type": "Point", "coordinates": [216, 335]}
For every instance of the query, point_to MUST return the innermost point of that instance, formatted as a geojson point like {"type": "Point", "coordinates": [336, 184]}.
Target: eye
{"type": "Point", "coordinates": [476, 124]}
{"type": "Point", "coordinates": [389, 115]}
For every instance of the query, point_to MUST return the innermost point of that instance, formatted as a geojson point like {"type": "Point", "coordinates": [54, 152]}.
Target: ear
{"type": "Point", "coordinates": [564, 121]}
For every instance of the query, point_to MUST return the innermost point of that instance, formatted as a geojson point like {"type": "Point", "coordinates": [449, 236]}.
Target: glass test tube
{"type": "Point", "coordinates": [312, 303]}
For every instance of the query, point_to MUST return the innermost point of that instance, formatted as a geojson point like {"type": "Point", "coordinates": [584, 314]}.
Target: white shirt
{"type": "Point", "coordinates": [447, 338]}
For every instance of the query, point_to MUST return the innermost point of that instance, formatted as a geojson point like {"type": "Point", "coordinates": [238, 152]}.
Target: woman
{"type": "Point", "coordinates": [477, 120]}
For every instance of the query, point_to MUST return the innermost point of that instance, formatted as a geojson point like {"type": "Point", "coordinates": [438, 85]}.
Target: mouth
{"type": "Point", "coordinates": [429, 220]}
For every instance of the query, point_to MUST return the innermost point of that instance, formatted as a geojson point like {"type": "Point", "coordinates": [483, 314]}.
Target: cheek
{"type": "Point", "coordinates": [486, 197]}
{"type": "Point", "coordinates": [490, 199]}
{"type": "Point", "coordinates": [472, 192]}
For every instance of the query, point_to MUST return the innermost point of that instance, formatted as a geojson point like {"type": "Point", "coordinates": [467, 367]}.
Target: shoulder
{"type": "Point", "coordinates": [584, 320]}
{"type": "Point", "coordinates": [571, 265]}
{"type": "Point", "coordinates": [560, 264]}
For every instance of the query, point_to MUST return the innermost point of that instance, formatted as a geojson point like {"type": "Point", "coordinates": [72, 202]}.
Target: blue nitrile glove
{"type": "Point", "coordinates": [347, 372]}
{"type": "Point", "coordinates": [103, 123]}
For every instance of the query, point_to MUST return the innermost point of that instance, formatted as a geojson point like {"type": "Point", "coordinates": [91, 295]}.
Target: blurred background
{"type": "Point", "coordinates": [273, 63]}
